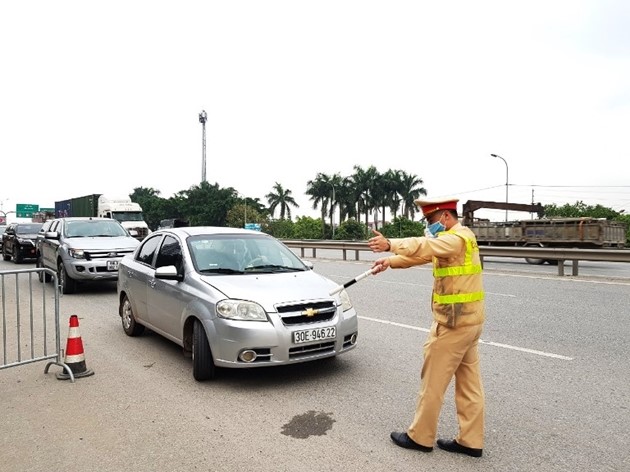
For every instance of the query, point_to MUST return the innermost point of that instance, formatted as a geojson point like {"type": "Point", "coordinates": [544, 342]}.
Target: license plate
{"type": "Point", "coordinates": [112, 265]}
{"type": "Point", "coordinates": [315, 334]}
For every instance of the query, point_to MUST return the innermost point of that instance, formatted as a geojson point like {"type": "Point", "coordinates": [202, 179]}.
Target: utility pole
{"type": "Point", "coordinates": [202, 119]}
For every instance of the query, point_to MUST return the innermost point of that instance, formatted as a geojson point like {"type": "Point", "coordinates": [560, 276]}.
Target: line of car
{"type": "Point", "coordinates": [230, 297]}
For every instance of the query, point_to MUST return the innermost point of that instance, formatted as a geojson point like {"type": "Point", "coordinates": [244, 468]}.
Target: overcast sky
{"type": "Point", "coordinates": [104, 97]}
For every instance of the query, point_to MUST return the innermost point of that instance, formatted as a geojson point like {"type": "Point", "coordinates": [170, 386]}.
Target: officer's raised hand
{"type": "Point", "coordinates": [378, 242]}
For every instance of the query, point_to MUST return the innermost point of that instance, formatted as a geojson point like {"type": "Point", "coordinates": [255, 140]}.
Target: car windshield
{"type": "Point", "coordinates": [127, 215]}
{"type": "Point", "coordinates": [94, 228]}
{"type": "Point", "coordinates": [242, 254]}
{"type": "Point", "coordinates": [28, 229]}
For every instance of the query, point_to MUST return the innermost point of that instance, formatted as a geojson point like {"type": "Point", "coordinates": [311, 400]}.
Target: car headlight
{"type": "Point", "coordinates": [25, 242]}
{"type": "Point", "coordinates": [241, 310]}
{"type": "Point", "coordinates": [76, 253]}
{"type": "Point", "coordinates": [346, 304]}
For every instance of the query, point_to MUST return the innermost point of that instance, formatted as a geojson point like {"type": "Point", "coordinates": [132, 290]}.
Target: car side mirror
{"type": "Point", "coordinates": [51, 235]}
{"type": "Point", "coordinates": [168, 273]}
{"type": "Point", "coordinates": [308, 264]}
{"type": "Point", "coordinates": [133, 232]}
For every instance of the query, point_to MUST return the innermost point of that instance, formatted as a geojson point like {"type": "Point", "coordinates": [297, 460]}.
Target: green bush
{"type": "Point", "coordinates": [306, 227]}
{"type": "Point", "coordinates": [351, 230]}
{"type": "Point", "coordinates": [281, 229]}
{"type": "Point", "coordinates": [402, 227]}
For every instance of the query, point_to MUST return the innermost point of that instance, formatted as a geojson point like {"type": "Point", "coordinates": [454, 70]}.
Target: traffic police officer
{"type": "Point", "coordinates": [451, 348]}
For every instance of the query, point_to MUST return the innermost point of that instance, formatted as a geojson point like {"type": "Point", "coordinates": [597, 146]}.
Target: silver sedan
{"type": "Point", "coordinates": [233, 298]}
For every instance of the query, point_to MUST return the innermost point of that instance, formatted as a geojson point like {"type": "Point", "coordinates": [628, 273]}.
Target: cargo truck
{"type": "Point", "coordinates": [122, 209]}
{"type": "Point", "coordinates": [543, 232]}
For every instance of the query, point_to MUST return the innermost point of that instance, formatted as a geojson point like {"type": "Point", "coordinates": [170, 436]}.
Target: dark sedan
{"type": "Point", "coordinates": [18, 241]}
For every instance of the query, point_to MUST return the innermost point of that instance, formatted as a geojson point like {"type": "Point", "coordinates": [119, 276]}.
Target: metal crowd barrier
{"type": "Point", "coordinates": [30, 326]}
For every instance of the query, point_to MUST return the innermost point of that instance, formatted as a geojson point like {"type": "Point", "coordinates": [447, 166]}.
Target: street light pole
{"type": "Point", "coordinates": [202, 119]}
{"type": "Point", "coordinates": [332, 210]}
{"type": "Point", "coordinates": [506, 183]}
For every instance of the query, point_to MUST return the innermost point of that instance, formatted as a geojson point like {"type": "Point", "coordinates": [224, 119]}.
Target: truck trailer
{"type": "Point", "coordinates": [578, 233]}
{"type": "Point", "coordinates": [122, 209]}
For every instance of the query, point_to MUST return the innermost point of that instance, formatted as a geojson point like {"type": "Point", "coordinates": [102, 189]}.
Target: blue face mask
{"type": "Point", "coordinates": [436, 228]}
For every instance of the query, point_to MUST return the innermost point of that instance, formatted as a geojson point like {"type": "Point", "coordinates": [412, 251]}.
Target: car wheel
{"type": "Point", "coordinates": [67, 284]}
{"type": "Point", "coordinates": [203, 363]}
{"type": "Point", "coordinates": [129, 323]}
{"type": "Point", "coordinates": [17, 257]}
{"type": "Point", "coordinates": [41, 275]}
{"type": "Point", "coordinates": [5, 256]}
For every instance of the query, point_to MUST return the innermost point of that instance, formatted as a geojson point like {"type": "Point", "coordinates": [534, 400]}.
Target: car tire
{"type": "Point", "coordinates": [43, 276]}
{"type": "Point", "coordinates": [203, 363]}
{"type": "Point", "coordinates": [17, 257]}
{"type": "Point", "coordinates": [67, 284]}
{"type": "Point", "coordinates": [130, 326]}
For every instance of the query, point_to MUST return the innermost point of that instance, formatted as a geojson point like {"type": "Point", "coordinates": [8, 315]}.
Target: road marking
{"type": "Point", "coordinates": [487, 343]}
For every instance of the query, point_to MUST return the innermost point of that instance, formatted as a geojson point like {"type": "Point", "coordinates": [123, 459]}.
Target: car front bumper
{"type": "Point", "coordinates": [81, 269]}
{"type": "Point", "coordinates": [272, 341]}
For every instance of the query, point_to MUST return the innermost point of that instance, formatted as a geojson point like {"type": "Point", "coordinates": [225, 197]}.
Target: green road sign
{"type": "Point", "coordinates": [25, 210]}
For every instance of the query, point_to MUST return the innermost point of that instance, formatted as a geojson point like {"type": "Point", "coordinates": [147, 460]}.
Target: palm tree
{"type": "Point", "coordinates": [409, 190]}
{"type": "Point", "coordinates": [364, 184]}
{"type": "Point", "coordinates": [320, 190]}
{"type": "Point", "coordinates": [346, 199]}
{"type": "Point", "coordinates": [281, 198]}
{"type": "Point", "coordinates": [385, 193]}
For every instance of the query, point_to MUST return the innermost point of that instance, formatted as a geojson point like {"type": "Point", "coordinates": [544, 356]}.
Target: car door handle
{"type": "Point", "coordinates": [152, 283]}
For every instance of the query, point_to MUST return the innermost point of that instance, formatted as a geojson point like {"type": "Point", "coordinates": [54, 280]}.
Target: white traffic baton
{"type": "Point", "coordinates": [339, 288]}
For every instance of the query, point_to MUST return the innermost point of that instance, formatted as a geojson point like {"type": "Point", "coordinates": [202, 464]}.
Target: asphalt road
{"type": "Point", "coordinates": [554, 360]}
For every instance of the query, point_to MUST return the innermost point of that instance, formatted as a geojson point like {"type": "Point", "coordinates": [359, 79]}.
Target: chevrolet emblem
{"type": "Point", "coordinates": [309, 312]}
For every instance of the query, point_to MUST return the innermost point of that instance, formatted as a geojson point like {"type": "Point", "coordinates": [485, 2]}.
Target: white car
{"type": "Point", "coordinates": [233, 298]}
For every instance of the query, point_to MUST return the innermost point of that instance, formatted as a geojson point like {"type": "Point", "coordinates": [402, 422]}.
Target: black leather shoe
{"type": "Point", "coordinates": [451, 445]}
{"type": "Point", "coordinates": [403, 440]}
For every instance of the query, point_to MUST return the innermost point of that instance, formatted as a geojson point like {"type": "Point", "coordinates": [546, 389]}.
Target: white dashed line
{"type": "Point", "coordinates": [487, 343]}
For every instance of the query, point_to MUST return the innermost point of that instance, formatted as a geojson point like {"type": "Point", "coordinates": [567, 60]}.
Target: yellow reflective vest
{"type": "Point", "coordinates": [458, 297]}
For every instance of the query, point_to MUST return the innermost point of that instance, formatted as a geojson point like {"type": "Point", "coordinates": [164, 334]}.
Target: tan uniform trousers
{"type": "Point", "coordinates": [448, 352]}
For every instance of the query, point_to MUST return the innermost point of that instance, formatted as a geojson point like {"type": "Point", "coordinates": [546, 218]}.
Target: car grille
{"type": "Point", "coordinates": [307, 312]}
{"type": "Point", "coordinates": [100, 255]}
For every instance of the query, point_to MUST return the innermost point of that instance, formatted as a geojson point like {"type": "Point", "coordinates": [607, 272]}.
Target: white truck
{"type": "Point", "coordinates": [122, 209]}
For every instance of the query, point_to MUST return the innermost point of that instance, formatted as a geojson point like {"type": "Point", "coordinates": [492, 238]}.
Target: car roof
{"type": "Point", "coordinates": [186, 231]}
{"type": "Point", "coordinates": [85, 218]}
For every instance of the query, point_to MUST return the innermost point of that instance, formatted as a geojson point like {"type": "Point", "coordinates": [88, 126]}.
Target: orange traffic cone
{"type": "Point", "coordinates": [75, 358]}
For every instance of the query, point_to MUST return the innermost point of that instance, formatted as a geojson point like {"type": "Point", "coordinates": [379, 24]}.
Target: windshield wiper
{"type": "Point", "coordinates": [273, 268]}
{"type": "Point", "coordinates": [221, 270]}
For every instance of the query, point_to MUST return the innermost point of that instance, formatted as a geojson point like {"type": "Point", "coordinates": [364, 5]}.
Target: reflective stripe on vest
{"type": "Point", "coordinates": [467, 269]}
{"type": "Point", "coordinates": [458, 298]}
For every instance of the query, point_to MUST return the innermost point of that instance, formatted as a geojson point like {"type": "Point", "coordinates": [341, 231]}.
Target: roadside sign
{"type": "Point", "coordinates": [25, 210]}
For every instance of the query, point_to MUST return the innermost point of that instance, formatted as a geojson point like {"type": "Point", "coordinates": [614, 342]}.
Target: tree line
{"type": "Point", "coordinates": [359, 201]}
{"type": "Point", "coordinates": [365, 194]}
